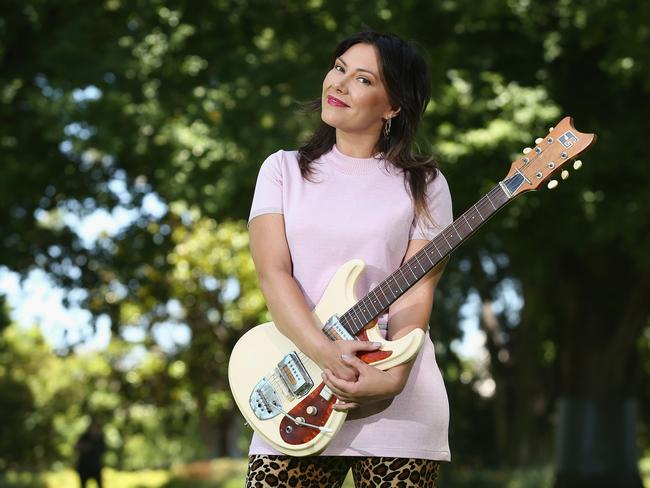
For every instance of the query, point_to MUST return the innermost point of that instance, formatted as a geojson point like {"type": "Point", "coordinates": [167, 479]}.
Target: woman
{"type": "Point", "coordinates": [356, 190]}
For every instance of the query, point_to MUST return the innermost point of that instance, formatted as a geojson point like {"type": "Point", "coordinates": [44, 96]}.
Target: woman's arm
{"type": "Point", "coordinates": [288, 307]}
{"type": "Point", "coordinates": [411, 310]}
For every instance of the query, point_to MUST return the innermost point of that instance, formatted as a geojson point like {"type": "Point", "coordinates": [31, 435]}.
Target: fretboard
{"type": "Point", "coordinates": [388, 291]}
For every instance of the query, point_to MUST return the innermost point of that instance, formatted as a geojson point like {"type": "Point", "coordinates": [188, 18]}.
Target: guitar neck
{"type": "Point", "coordinates": [394, 286]}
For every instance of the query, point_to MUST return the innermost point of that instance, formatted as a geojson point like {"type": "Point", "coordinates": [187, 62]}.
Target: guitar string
{"type": "Point", "coordinates": [384, 286]}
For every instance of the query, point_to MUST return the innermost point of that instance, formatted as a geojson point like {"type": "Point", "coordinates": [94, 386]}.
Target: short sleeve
{"type": "Point", "coordinates": [268, 189]}
{"type": "Point", "coordinates": [439, 203]}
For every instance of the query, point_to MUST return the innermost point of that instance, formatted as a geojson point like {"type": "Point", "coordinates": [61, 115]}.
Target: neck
{"type": "Point", "coordinates": [356, 145]}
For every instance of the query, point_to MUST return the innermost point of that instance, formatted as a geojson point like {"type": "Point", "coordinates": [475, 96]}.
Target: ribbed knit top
{"type": "Point", "coordinates": [360, 208]}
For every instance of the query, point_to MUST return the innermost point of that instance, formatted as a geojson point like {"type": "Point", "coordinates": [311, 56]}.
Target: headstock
{"type": "Point", "coordinates": [550, 156]}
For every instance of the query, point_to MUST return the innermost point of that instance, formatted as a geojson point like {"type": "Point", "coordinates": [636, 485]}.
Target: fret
{"type": "Point", "coordinates": [397, 283]}
{"type": "Point", "coordinates": [478, 211]}
{"type": "Point", "coordinates": [404, 280]}
{"type": "Point", "coordinates": [467, 221]}
{"type": "Point", "coordinates": [413, 272]}
{"type": "Point", "coordinates": [355, 310]}
{"type": "Point", "coordinates": [453, 225]}
{"type": "Point", "coordinates": [401, 271]}
{"type": "Point", "coordinates": [376, 298]}
{"type": "Point", "coordinates": [424, 252]}
{"type": "Point", "coordinates": [364, 311]}
{"type": "Point", "coordinates": [434, 245]}
{"type": "Point", "coordinates": [390, 287]}
{"type": "Point", "coordinates": [490, 200]}
{"type": "Point", "coordinates": [371, 310]}
{"type": "Point", "coordinates": [369, 304]}
{"type": "Point", "coordinates": [385, 287]}
{"type": "Point", "coordinates": [445, 238]}
{"type": "Point", "coordinates": [381, 289]}
{"type": "Point", "coordinates": [344, 321]}
{"type": "Point", "coordinates": [417, 258]}
{"type": "Point", "coordinates": [450, 237]}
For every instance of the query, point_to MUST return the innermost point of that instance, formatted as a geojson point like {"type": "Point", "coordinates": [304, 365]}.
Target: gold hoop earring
{"type": "Point", "coordinates": [387, 127]}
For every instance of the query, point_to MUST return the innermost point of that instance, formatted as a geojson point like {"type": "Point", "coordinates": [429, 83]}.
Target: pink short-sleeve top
{"type": "Point", "coordinates": [360, 208]}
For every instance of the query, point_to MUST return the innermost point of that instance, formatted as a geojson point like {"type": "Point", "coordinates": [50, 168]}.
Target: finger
{"type": "Point", "coordinates": [343, 406]}
{"type": "Point", "coordinates": [355, 362]}
{"type": "Point", "coordinates": [340, 395]}
{"type": "Point", "coordinates": [365, 346]}
{"type": "Point", "coordinates": [338, 386]}
{"type": "Point", "coordinates": [345, 372]}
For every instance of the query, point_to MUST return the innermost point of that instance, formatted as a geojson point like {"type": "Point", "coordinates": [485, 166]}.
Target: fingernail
{"type": "Point", "coordinates": [376, 344]}
{"type": "Point", "coordinates": [323, 375]}
{"type": "Point", "coordinates": [345, 356]}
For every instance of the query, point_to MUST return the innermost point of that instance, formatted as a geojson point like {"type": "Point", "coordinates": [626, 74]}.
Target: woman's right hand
{"type": "Point", "coordinates": [329, 357]}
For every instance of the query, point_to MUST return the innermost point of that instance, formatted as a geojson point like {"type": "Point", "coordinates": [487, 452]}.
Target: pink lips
{"type": "Point", "coordinates": [336, 102]}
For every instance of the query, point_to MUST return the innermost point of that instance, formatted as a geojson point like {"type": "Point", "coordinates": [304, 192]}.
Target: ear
{"type": "Point", "coordinates": [392, 113]}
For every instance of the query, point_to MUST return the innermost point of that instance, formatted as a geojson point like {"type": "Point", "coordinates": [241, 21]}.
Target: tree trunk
{"type": "Point", "coordinates": [598, 367]}
{"type": "Point", "coordinates": [597, 443]}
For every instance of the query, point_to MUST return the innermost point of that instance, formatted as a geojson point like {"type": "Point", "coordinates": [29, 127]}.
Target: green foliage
{"type": "Point", "coordinates": [46, 399]}
{"type": "Point", "coordinates": [107, 104]}
{"type": "Point", "coordinates": [27, 434]}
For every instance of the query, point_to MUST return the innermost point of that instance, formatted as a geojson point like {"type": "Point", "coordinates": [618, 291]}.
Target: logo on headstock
{"type": "Point", "coordinates": [567, 139]}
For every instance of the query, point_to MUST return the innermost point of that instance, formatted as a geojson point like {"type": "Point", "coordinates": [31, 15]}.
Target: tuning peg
{"type": "Point", "coordinates": [551, 129]}
{"type": "Point", "coordinates": [538, 140]}
{"type": "Point", "coordinates": [552, 184]}
{"type": "Point", "coordinates": [527, 150]}
{"type": "Point", "coordinates": [564, 174]}
{"type": "Point", "coordinates": [577, 164]}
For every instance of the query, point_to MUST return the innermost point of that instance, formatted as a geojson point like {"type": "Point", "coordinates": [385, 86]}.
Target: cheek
{"type": "Point", "coordinates": [371, 101]}
{"type": "Point", "coordinates": [327, 81]}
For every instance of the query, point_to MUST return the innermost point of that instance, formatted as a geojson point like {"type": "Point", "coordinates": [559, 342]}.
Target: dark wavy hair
{"type": "Point", "coordinates": [405, 75]}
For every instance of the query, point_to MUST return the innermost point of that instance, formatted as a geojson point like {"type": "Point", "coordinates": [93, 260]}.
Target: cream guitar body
{"type": "Point", "coordinates": [279, 389]}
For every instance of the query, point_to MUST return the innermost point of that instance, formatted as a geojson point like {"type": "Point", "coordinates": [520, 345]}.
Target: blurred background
{"type": "Point", "coordinates": [130, 139]}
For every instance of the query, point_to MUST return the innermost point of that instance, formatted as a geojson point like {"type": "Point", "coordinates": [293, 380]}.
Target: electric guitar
{"type": "Point", "coordinates": [279, 389]}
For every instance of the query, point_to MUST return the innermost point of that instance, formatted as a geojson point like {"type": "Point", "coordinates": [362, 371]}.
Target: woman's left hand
{"type": "Point", "coordinates": [372, 383]}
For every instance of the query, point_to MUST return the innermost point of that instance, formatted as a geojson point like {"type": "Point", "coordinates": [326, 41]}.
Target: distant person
{"type": "Point", "coordinates": [90, 448]}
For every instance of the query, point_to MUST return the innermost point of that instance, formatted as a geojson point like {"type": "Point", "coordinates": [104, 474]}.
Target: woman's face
{"type": "Point", "coordinates": [354, 97]}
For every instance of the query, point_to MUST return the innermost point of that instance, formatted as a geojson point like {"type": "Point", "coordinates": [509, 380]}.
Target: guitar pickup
{"type": "Point", "coordinates": [294, 375]}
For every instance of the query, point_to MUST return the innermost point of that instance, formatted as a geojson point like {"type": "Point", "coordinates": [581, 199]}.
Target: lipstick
{"type": "Point", "coordinates": [336, 102]}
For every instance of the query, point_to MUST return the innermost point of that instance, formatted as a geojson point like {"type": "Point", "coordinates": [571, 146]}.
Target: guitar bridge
{"type": "Point", "coordinates": [264, 400]}
{"type": "Point", "coordinates": [296, 382]}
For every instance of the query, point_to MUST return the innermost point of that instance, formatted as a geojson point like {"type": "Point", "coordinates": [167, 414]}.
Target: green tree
{"type": "Point", "coordinates": [185, 100]}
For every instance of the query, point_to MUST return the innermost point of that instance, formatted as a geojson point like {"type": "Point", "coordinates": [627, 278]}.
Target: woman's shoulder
{"type": "Point", "coordinates": [281, 160]}
{"type": "Point", "coordinates": [281, 156]}
{"type": "Point", "coordinates": [439, 182]}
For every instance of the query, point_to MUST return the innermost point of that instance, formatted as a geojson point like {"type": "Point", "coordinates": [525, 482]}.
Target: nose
{"type": "Point", "coordinates": [338, 86]}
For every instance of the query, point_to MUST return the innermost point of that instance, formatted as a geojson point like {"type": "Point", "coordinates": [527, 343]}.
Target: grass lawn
{"type": "Point", "coordinates": [229, 473]}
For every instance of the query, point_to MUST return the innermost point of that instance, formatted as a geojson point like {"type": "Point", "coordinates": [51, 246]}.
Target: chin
{"type": "Point", "coordinates": [329, 119]}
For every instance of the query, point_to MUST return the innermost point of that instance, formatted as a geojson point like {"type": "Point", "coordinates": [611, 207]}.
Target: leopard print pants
{"type": "Point", "coordinates": [330, 472]}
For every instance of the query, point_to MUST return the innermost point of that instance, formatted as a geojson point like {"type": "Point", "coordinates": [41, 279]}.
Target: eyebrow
{"type": "Point", "coordinates": [358, 69]}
